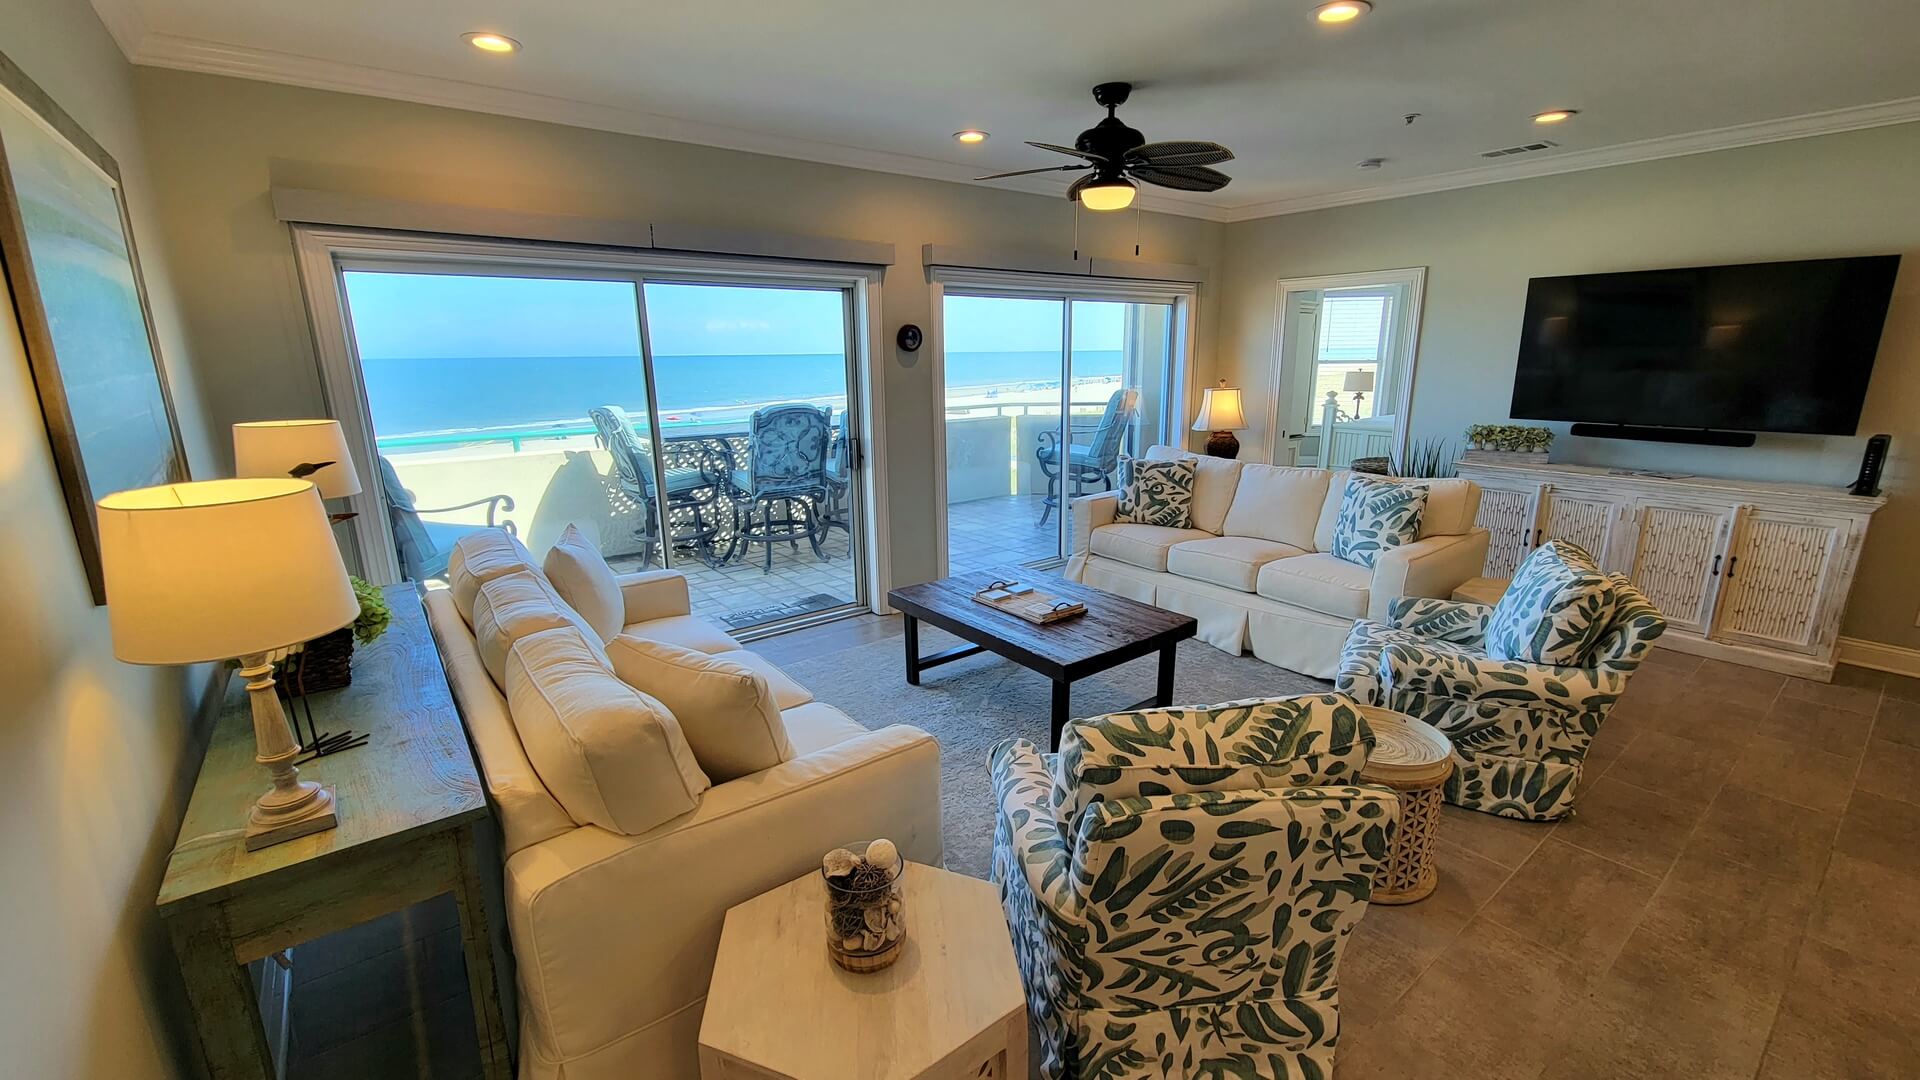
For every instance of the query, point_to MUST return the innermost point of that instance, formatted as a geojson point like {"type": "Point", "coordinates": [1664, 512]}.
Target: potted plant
{"type": "Point", "coordinates": [326, 662]}
{"type": "Point", "coordinates": [1508, 443]}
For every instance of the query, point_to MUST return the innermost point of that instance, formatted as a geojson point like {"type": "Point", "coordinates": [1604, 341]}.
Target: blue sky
{"type": "Point", "coordinates": [398, 316]}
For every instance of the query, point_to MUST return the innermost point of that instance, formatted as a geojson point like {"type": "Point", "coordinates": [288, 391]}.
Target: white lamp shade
{"type": "Point", "coordinates": [275, 448]}
{"type": "Point", "coordinates": [220, 568]}
{"type": "Point", "coordinates": [1358, 382]}
{"type": "Point", "coordinates": [1220, 410]}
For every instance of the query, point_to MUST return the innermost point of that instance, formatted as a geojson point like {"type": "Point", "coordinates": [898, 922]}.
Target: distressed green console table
{"type": "Point", "coordinates": [414, 824]}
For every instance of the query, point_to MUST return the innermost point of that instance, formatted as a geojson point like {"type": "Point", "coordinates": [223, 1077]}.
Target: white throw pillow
{"type": "Point", "coordinates": [584, 580]}
{"type": "Point", "coordinates": [612, 756]}
{"type": "Point", "coordinates": [512, 606]}
{"type": "Point", "coordinates": [478, 558]}
{"type": "Point", "coordinates": [726, 709]}
{"type": "Point", "coordinates": [1279, 503]}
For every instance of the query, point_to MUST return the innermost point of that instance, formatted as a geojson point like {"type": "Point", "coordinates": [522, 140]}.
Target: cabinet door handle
{"type": "Point", "coordinates": [1536, 538]}
{"type": "Point", "coordinates": [1715, 572]}
{"type": "Point", "coordinates": [1730, 563]}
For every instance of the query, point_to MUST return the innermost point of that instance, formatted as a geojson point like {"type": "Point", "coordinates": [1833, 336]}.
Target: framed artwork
{"type": "Point", "coordinates": [67, 249]}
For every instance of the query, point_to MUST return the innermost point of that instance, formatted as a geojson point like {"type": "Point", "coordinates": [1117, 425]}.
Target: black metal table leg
{"type": "Point", "coordinates": [1062, 705]}
{"type": "Point", "coordinates": [1163, 692]}
{"type": "Point", "coordinates": [912, 638]}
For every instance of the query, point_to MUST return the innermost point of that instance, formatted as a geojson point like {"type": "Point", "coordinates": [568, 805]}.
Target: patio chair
{"type": "Point", "coordinates": [787, 454]}
{"type": "Point", "coordinates": [839, 477]}
{"type": "Point", "coordinates": [699, 482]}
{"type": "Point", "coordinates": [423, 546]}
{"type": "Point", "coordinates": [1093, 461]}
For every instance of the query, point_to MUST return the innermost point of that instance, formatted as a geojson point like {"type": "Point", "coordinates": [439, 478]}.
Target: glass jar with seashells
{"type": "Point", "coordinates": [866, 922]}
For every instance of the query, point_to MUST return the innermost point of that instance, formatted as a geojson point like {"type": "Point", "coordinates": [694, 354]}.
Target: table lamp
{"type": "Point", "coordinates": [1220, 413]}
{"type": "Point", "coordinates": [313, 450]}
{"type": "Point", "coordinates": [1359, 384]}
{"type": "Point", "coordinates": [224, 569]}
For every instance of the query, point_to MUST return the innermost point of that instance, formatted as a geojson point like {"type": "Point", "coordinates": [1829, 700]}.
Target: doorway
{"type": "Point", "coordinates": [1344, 366]}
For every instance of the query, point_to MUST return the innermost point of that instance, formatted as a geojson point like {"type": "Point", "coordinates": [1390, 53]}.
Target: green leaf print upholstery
{"type": "Point", "coordinates": [1157, 493]}
{"type": "Point", "coordinates": [1520, 730]}
{"type": "Point", "coordinates": [1194, 933]}
{"type": "Point", "coordinates": [1376, 515]}
{"type": "Point", "coordinates": [1555, 610]}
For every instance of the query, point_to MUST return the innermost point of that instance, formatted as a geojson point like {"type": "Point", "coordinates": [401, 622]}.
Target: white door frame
{"type": "Point", "coordinates": [1184, 296]}
{"type": "Point", "coordinates": [320, 252]}
{"type": "Point", "coordinates": [1406, 344]}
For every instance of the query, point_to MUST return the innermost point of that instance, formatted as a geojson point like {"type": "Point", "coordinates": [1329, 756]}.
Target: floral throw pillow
{"type": "Point", "coordinates": [1555, 610]}
{"type": "Point", "coordinates": [1157, 493]}
{"type": "Point", "coordinates": [1376, 515]}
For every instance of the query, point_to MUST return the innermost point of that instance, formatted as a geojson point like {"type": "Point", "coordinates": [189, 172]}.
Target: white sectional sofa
{"type": "Point", "coordinates": [614, 925]}
{"type": "Point", "coordinates": [1256, 569]}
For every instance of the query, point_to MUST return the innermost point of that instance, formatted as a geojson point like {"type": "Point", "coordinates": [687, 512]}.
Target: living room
{"type": "Point", "coordinates": [1726, 895]}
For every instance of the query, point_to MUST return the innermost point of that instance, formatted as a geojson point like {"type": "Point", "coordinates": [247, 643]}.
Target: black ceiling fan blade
{"type": "Point", "coordinates": [1180, 152]}
{"type": "Point", "coordinates": [1028, 172]}
{"type": "Point", "coordinates": [1180, 177]}
{"type": "Point", "coordinates": [1082, 154]}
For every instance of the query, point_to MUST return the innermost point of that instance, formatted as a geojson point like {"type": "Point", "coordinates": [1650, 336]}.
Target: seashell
{"type": "Point", "coordinates": [893, 931]}
{"type": "Point", "coordinates": [872, 940]}
{"type": "Point", "coordinates": [893, 906]}
{"type": "Point", "coordinates": [850, 942]}
{"type": "Point", "coordinates": [839, 862]}
{"type": "Point", "coordinates": [883, 854]}
{"type": "Point", "coordinates": [875, 918]}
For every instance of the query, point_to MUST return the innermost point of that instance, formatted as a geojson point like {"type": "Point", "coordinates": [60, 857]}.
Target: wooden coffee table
{"type": "Point", "coordinates": [1113, 631]}
{"type": "Point", "coordinates": [951, 1008]}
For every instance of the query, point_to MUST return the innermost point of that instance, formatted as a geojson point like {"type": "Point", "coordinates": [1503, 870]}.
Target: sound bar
{"type": "Point", "coordinates": [1689, 436]}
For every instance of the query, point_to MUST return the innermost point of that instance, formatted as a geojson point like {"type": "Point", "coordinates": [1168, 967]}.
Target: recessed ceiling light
{"type": "Point", "coordinates": [490, 42]}
{"type": "Point", "coordinates": [1555, 116]}
{"type": "Point", "coordinates": [971, 135]}
{"type": "Point", "coordinates": [1341, 11]}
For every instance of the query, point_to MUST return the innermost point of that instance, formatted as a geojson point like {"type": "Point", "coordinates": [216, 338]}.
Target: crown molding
{"type": "Point", "coordinates": [145, 47]}
{"type": "Point", "coordinates": [1833, 121]}
{"type": "Point", "coordinates": [239, 61]}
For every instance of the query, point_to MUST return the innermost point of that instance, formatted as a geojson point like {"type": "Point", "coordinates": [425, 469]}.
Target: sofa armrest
{"type": "Point", "coordinates": [616, 933]}
{"type": "Point", "coordinates": [654, 594]}
{"type": "Point", "coordinates": [1432, 567]}
{"type": "Point", "coordinates": [1439, 669]}
{"type": "Point", "coordinates": [1089, 513]}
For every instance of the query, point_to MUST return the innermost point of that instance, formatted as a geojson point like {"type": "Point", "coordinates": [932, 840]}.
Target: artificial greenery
{"type": "Point", "coordinates": [1424, 459]}
{"type": "Point", "coordinates": [1514, 438]}
{"type": "Point", "coordinates": [374, 613]}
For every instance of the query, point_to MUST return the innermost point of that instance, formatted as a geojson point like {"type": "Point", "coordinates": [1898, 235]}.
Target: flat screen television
{"type": "Point", "coordinates": [1784, 346]}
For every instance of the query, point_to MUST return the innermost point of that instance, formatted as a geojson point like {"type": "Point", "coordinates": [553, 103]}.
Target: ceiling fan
{"type": "Point", "coordinates": [1116, 155]}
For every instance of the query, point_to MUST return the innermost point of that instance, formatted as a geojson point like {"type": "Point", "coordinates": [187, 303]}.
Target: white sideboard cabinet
{"type": "Point", "coordinates": [1753, 573]}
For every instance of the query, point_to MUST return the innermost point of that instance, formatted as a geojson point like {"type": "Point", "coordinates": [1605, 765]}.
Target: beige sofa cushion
{"type": "Point", "coordinates": [787, 693]}
{"type": "Point", "coordinates": [478, 558]}
{"type": "Point", "coordinates": [1278, 503]}
{"type": "Point", "coordinates": [817, 725]}
{"type": "Point", "coordinates": [1452, 504]}
{"type": "Point", "coordinates": [1214, 481]}
{"type": "Point", "coordinates": [576, 570]}
{"type": "Point", "coordinates": [613, 756]}
{"type": "Point", "coordinates": [1232, 561]}
{"type": "Point", "coordinates": [686, 631]}
{"type": "Point", "coordinates": [513, 605]}
{"type": "Point", "coordinates": [1144, 546]}
{"type": "Point", "coordinates": [1317, 582]}
{"type": "Point", "coordinates": [726, 710]}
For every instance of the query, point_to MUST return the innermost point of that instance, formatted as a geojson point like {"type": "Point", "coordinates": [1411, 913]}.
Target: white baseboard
{"type": "Point", "coordinates": [1880, 657]}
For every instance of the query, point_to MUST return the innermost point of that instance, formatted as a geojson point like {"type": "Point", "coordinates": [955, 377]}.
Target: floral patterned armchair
{"type": "Point", "coordinates": [1180, 884]}
{"type": "Point", "coordinates": [1520, 730]}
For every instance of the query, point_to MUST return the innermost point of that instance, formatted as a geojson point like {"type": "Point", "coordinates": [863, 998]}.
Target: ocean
{"type": "Point", "coordinates": [417, 396]}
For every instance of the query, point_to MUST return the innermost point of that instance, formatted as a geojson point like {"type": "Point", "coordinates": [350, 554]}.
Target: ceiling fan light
{"type": "Point", "coordinates": [1110, 194]}
{"type": "Point", "coordinates": [1342, 11]}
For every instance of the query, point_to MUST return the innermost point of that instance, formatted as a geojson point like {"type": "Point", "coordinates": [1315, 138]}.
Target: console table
{"type": "Point", "coordinates": [1749, 572]}
{"type": "Point", "coordinates": [412, 815]}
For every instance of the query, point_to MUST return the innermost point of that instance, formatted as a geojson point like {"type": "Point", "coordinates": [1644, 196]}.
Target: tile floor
{"type": "Point", "coordinates": [1736, 898]}
{"type": "Point", "coordinates": [982, 533]}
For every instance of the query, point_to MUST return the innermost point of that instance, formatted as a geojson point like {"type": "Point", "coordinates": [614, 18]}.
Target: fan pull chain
{"type": "Point", "coordinates": [1076, 230]}
{"type": "Point", "coordinates": [1136, 230]}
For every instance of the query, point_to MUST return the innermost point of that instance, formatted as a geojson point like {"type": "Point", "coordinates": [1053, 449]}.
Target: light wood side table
{"type": "Point", "coordinates": [950, 1007]}
{"type": "Point", "coordinates": [412, 815]}
{"type": "Point", "coordinates": [1414, 759]}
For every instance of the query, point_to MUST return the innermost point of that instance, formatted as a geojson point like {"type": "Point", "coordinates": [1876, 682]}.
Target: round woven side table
{"type": "Point", "coordinates": [1414, 759]}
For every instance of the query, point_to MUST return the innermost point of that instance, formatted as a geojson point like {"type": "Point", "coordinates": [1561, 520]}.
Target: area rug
{"type": "Point", "coordinates": [971, 704]}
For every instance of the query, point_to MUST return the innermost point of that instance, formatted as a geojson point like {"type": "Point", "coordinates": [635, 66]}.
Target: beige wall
{"type": "Point", "coordinates": [95, 755]}
{"type": "Point", "coordinates": [1850, 194]}
{"type": "Point", "coordinates": [219, 145]}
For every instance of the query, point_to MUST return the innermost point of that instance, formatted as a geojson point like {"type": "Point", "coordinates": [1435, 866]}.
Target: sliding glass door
{"type": "Point", "coordinates": [1044, 397]}
{"type": "Point", "coordinates": [701, 424]}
